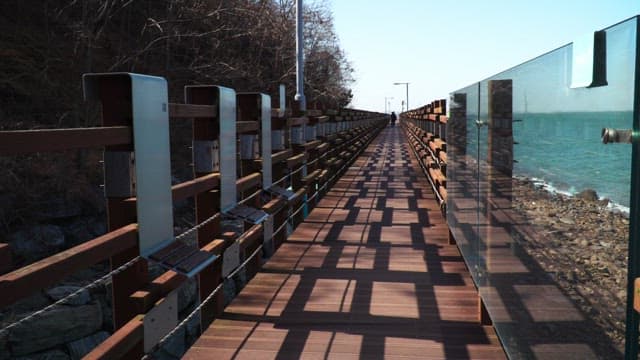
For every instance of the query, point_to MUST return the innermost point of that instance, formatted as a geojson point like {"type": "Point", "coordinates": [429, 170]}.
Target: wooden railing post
{"type": "Point", "coordinates": [457, 125]}
{"type": "Point", "coordinates": [500, 146]}
{"type": "Point", "coordinates": [115, 94]}
{"type": "Point", "coordinates": [206, 160]}
{"type": "Point", "coordinates": [297, 166]}
{"type": "Point", "coordinates": [5, 258]}
{"type": "Point", "coordinates": [256, 107]}
{"type": "Point", "coordinates": [116, 98]}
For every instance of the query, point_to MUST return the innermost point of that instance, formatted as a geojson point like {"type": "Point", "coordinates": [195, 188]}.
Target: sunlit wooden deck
{"type": "Point", "coordinates": [368, 275]}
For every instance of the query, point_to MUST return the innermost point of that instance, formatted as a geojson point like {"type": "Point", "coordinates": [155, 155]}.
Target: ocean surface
{"type": "Point", "coordinates": [564, 152]}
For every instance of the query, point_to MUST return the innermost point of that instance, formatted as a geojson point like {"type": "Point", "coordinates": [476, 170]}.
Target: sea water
{"type": "Point", "coordinates": [565, 154]}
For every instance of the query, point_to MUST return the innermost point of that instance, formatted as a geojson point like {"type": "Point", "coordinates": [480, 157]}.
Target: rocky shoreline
{"type": "Point", "coordinates": [582, 244]}
{"type": "Point", "coordinates": [73, 329]}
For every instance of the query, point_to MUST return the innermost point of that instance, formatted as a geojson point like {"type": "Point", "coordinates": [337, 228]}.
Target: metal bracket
{"type": "Point", "coordinates": [160, 320]}
{"type": "Point", "coordinates": [259, 146]}
{"type": "Point", "coordinates": [247, 213]}
{"type": "Point", "coordinates": [617, 136]}
{"type": "Point", "coordinates": [297, 135]}
{"type": "Point", "coordinates": [277, 139]}
{"type": "Point", "coordinates": [310, 132]}
{"type": "Point", "coordinates": [206, 155]}
{"type": "Point", "coordinates": [282, 192]}
{"type": "Point", "coordinates": [266, 146]}
{"type": "Point", "coordinates": [231, 258]}
{"type": "Point", "coordinates": [282, 99]}
{"type": "Point", "coordinates": [184, 259]}
{"type": "Point", "coordinates": [119, 174]}
{"type": "Point", "coordinates": [225, 99]}
{"type": "Point", "coordinates": [249, 146]}
{"type": "Point", "coordinates": [267, 239]}
{"type": "Point", "coordinates": [320, 129]}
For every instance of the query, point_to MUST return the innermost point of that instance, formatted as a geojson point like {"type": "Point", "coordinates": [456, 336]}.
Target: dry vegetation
{"type": "Point", "coordinates": [47, 45]}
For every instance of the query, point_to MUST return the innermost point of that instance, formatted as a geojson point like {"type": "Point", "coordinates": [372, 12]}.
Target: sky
{"type": "Point", "coordinates": [442, 46]}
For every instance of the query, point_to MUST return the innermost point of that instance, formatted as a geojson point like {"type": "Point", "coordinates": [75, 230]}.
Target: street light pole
{"type": "Point", "coordinates": [406, 84]}
{"type": "Point", "coordinates": [299, 97]}
{"type": "Point", "coordinates": [385, 104]}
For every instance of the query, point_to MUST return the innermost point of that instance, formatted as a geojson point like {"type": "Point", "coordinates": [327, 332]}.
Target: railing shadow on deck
{"type": "Point", "coordinates": [334, 264]}
{"type": "Point", "coordinates": [301, 152]}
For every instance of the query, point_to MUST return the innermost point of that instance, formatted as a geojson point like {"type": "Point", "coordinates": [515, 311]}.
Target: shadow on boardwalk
{"type": "Point", "coordinates": [368, 275]}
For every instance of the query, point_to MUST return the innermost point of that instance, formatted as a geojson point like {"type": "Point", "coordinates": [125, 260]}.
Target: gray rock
{"type": "Point", "coordinates": [588, 195]}
{"type": "Point", "coordinates": [230, 290]}
{"type": "Point", "coordinates": [174, 348]}
{"type": "Point", "coordinates": [57, 326]}
{"type": "Point", "coordinates": [107, 312]}
{"type": "Point", "coordinates": [47, 355]}
{"type": "Point", "coordinates": [60, 292]}
{"type": "Point", "coordinates": [79, 348]}
{"type": "Point", "coordinates": [193, 329]}
{"type": "Point", "coordinates": [37, 242]}
{"type": "Point", "coordinates": [29, 304]}
{"type": "Point", "coordinates": [567, 221]}
{"type": "Point", "coordinates": [97, 227]}
{"type": "Point", "coordinates": [4, 346]}
{"type": "Point", "coordinates": [58, 208]}
{"type": "Point", "coordinates": [187, 294]}
{"type": "Point", "coordinates": [77, 232]}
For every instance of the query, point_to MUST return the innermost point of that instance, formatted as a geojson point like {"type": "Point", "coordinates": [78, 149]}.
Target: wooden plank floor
{"type": "Point", "coordinates": [368, 275]}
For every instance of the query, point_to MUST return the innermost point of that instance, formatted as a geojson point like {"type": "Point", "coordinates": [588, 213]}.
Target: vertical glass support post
{"type": "Point", "coordinates": [633, 260]}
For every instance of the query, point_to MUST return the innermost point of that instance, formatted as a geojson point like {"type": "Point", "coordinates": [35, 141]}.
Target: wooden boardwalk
{"type": "Point", "coordinates": [368, 275]}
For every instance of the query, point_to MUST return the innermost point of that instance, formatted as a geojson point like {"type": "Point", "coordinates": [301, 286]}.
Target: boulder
{"type": "Point", "coordinates": [174, 348]}
{"type": "Point", "coordinates": [4, 346]}
{"type": "Point", "coordinates": [97, 226]}
{"type": "Point", "coordinates": [82, 229]}
{"type": "Point", "coordinates": [81, 347]}
{"type": "Point", "coordinates": [29, 304]}
{"type": "Point", "coordinates": [37, 242]}
{"type": "Point", "coordinates": [47, 355]}
{"type": "Point", "coordinates": [60, 292]}
{"type": "Point", "coordinates": [187, 294]}
{"type": "Point", "coordinates": [193, 329]}
{"type": "Point", "coordinates": [77, 232]}
{"type": "Point", "coordinates": [107, 311]}
{"type": "Point", "coordinates": [588, 195]}
{"type": "Point", "coordinates": [58, 326]}
{"type": "Point", "coordinates": [57, 208]}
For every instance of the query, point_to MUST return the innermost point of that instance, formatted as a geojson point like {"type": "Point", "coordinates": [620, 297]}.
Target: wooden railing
{"type": "Point", "coordinates": [426, 128]}
{"type": "Point", "coordinates": [310, 150]}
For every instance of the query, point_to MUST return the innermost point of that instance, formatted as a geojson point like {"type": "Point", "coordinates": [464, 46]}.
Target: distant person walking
{"type": "Point", "coordinates": [393, 118]}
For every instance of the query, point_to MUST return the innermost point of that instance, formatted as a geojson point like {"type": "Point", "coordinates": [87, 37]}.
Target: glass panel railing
{"type": "Point", "coordinates": [539, 206]}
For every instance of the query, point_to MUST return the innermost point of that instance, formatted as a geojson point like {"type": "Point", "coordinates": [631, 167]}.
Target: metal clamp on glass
{"type": "Point", "coordinates": [481, 123]}
{"type": "Point", "coordinates": [247, 213]}
{"type": "Point", "coordinates": [282, 192]}
{"type": "Point", "coordinates": [617, 136]}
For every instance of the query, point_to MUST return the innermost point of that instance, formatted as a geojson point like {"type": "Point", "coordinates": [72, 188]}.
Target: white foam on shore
{"type": "Point", "coordinates": [617, 208]}
{"type": "Point", "coordinates": [611, 206]}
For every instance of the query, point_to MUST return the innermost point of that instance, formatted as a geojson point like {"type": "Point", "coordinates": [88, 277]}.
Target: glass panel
{"type": "Point", "coordinates": [539, 206]}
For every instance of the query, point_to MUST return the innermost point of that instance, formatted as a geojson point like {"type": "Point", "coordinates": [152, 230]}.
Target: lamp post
{"type": "Point", "coordinates": [406, 84]}
{"type": "Point", "coordinates": [299, 97]}
{"type": "Point", "coordinates": [386, 99]}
